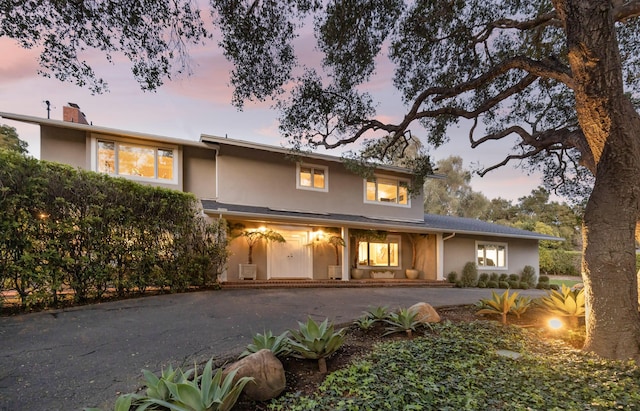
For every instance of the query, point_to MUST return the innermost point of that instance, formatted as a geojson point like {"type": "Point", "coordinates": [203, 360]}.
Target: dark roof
{"type": "Point", "coordinates": [431, 224]}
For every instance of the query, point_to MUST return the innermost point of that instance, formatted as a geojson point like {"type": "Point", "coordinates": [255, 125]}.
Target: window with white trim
{"type": "Point", "coordinates": [491, 255]}
{"type": "Point", "coordinates": [136, 161]}
{"type": "Point", "coordinates": [312, 177]}
{"type": "Point", "coordinates": [383, 253]}
{"type": "Point", "coordinates": [387, 190]}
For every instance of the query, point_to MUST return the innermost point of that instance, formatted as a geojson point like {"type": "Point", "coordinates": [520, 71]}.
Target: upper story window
{"type": "Point", "coordinates": [492, 255]}
{"type": "Point", "coordinates": [136, 161]}
{"type": "Point", "coordinates": [387, 190]}
{"type": "Point", "coordinates": [312, 177]}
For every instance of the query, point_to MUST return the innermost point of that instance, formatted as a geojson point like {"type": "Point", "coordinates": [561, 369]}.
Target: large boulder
{"type": "Point", "coordinates": [425, 313]}
{"type": "Point", "coordinates": [267, 372]}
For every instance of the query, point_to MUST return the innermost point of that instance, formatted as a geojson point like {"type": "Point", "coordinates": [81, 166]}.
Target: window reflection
{"type": "Point", "coordinates": [379, 254]}
{"type": "Point", "coordinates": [387, 190]}
{"type": "Point", "coordinates": [128, 159]}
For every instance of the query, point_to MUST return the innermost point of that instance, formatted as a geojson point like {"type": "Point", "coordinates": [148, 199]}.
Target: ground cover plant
{"type": "Point", "coordinates": [459, 366]}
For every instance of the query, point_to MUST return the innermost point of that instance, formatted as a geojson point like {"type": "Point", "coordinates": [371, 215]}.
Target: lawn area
{"type": "Point", "coordinates": [463, 366]}
{"type": "Point", "coordinates": [568, 282]}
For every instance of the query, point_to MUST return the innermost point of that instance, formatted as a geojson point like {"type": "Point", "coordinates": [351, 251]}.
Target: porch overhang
{"type": "Point", "coordinates": [431, 224]}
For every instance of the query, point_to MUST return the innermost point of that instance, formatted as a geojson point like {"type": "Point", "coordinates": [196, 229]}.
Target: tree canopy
{"type": "Point", "coordinates": [9, 139]}
{"type": "Point", "coordinates": [453, 194]}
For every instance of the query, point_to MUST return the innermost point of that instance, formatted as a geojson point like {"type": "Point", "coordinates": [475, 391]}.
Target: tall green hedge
{"type": "Point", "coordinates": [564, 262]}
{"type": "Point", "coordinates": [62, 228]}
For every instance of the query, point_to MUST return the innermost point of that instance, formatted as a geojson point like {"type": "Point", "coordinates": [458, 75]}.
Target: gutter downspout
{"type": "Point", "coordinates": [440, 255]}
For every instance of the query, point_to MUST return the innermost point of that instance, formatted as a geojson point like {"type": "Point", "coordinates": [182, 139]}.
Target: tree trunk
{"type": "Point", "coordinates": [612, 130]}
{"type": "Point", "coordinates": [322, 365]}
{"type": "Point", "coordinates": [609, 264]}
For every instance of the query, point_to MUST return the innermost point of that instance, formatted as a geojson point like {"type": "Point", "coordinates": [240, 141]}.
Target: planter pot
{"type": "Point", "coordinates": [412, 274]}
{"type": "Point", "coordinates": [335, 272]}
{"type": "Point", "coordinates": [357, 273]}
{"type": "Point", "coordinates": [248, 271]}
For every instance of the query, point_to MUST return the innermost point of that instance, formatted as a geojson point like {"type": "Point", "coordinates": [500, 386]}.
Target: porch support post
{"type": "Point", "coordinates": [344, 232]}
{"type": "Point", "coordinates": [439, 257]}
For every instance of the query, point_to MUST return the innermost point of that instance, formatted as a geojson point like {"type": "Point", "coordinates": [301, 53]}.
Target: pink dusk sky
{"type": "Point", "coordinates": [199, 104]}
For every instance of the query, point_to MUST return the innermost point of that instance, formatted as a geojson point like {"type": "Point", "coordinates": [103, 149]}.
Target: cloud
{"type": "Point", "coordinates": [17, 63]}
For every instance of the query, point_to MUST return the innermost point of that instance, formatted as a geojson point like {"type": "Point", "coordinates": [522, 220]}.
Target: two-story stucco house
{"type": "Point", "coordinates": [306, 198]}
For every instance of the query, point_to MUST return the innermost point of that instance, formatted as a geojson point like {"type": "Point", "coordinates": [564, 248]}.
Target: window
{"type": "Point", "coordinates": [492, 255]}
{"type": "Point", "coordinates": [312, 177]}
{"type": "Point", "coordinates": [128, 159]}
{"type": "Point", "coordinates": [387, 190]}
{"type": "Point", "coordinates": [384, 253]}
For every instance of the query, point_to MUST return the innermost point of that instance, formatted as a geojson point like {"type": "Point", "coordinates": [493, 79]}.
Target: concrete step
{"type": "Point", "coordinates": [333, 283]}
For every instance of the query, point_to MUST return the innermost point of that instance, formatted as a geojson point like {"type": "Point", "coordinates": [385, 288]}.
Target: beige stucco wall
{"type": "Point", "coordinates": [254, 177]}
{"type": "Point", "coordinates": [199, 171]}
{"type": "Point", "coordinates": [73, 147]}
{"type": "Point", "coordinates": [461, 249]}
{"type": "Point", "coordinates": [64, 146]}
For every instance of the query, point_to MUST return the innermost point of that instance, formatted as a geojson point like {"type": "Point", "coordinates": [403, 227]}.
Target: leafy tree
{"type": "Point", "coordinates": [453, 195]}
{"type": "Point", "coordinates": [9, 139]}
{"type": "Point", "coordinates": [153, 35]}
{"type": "Point", "coordinates": [557, 76]}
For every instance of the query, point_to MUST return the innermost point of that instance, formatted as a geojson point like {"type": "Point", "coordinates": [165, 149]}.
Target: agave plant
{"type": "Point", "coordinates": [188, 391]}
{"type": "Point", "coordinates": [521, 305]}
{"type": "Point", "coordinates": [279, 345]}
{"type": "Point", "coordinates": [498, 304]}
{"type": "Point", "coordinates": [404, 320]}
{"type": "Point", "coordinates": [315, 341]}
{"type": "Point", "coordinates": [378, 313]}
{"type": "Point", "coordinates": [566, 303]}
{"type": "Point", "coordinates": [365, 322]}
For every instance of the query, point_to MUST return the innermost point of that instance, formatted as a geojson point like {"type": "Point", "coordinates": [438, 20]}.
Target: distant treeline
{"type": "Point", "coordinates": [564, 262]}
{"type": "Point", "coordinates": [63, 229]}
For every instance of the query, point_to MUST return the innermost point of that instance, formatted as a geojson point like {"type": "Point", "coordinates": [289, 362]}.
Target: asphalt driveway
{"type": "Point", "coordinates": [85, 356]}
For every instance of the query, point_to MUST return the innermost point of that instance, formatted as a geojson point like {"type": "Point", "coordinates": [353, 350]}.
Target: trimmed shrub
{"type": "Point", "coordinates": [543, 286]}
{"type": "Point", "coordinates": [503, 284]}
{"type": "Point", "coordinates": [554, 287]}
{"type": "Point", "coordinates": [543, 279]}
{"type": "Point", "coordinates": [514, 284]}
{"type": "Point", "coordinates": [494, 277]}
{"type": "Point", "coordinates": [482, 284]}
{"type": "Point", "coordinates": [513, 277]}
{"type": "Point", "coordinates": [469, 275]}
{"type": "Point", "coordinates": [66, 228]}
{"type": "Point", "coordinates": [524, 285]}
{"type": "Point", "coordinates": [560, 262]}
{"type": "Point", "coordinates": [452, 277]}
{"type": "Point", "coordinates": [528, 275]}
{"type": "Point", "coordinates": [503, 277]}
{"type": "Point", "coordinates": [492, 284]}
{"type": "Point", "coordinates": [484, 277]}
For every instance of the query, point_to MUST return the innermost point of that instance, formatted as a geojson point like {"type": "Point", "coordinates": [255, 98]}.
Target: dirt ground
{"type": "Point", "coordinates": [303, 376]}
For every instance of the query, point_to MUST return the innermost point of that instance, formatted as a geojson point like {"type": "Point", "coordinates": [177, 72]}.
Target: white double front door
{"type": "Point", "coordinates": [291, 259]}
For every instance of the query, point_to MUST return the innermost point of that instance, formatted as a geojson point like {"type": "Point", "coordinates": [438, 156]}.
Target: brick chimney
{"type": "Point", "coordinates": [72, 114]}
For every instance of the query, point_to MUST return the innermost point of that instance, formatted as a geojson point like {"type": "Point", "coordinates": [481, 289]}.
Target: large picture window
{"type": "Point", "coordinates": [384, 253]}
{"type": "Point", "coordinates": [312, 177]}
{"type": "Point", "coordinates": [387, 190]}
{"type": "Point", "coordinates": [492, 255]}
{"type": "Point", "coordinates": [135, 160]}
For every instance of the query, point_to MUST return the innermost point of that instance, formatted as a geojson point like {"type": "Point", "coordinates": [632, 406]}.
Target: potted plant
{"type": "Point", "coordinates": [253, 237]}
{"type": "Point", "coordinates": [412, 273]}
{"type": "Point", "coordinates": [333, 239]}
{"type": "Point", "coordinates": [363, 236]}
